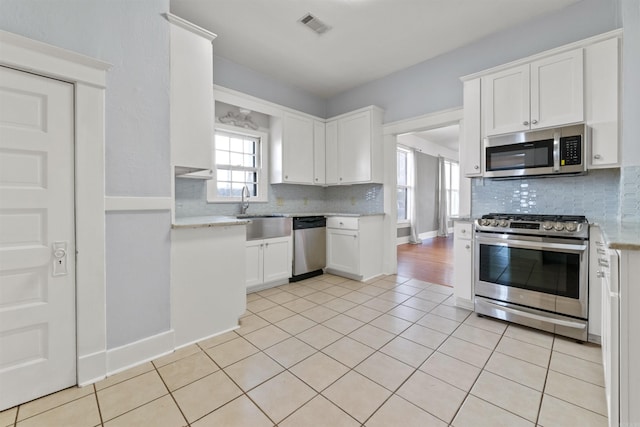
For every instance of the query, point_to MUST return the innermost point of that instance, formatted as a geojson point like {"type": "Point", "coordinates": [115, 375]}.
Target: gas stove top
{"type": "Point", "coordinates": [547, 225]}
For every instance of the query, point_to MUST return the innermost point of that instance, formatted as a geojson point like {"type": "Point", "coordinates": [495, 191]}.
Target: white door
{"type": "Point", "coordinates": [37, 297]}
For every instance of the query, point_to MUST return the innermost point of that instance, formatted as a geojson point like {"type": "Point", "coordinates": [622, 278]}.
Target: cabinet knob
{"type": "Point", "coordinates": [463, 231]}
{"type": "Point", "coordinates": [316, 179]}
{"type": "Point", "coordinates": [597, 156]}
{"type": "Point", "coordinates": [526, 123]}
{"type": "Point", "coordinates": [286, 177]}
{"type": "Point", "coordinates": [476, 167]}
{"type": "Point", "coordinates": [467, 247]}
{"type": "Point", "coordinates": [534, 122]}
{"type": "Point", "coordinates": [340, 178]}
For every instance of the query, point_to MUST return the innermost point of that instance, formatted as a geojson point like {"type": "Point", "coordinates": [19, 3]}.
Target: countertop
{"type": "Point", "coordinates": [621, 235]}
{"type": "Point", "coordinates": [223, 221]}
{"type": "Point", "coordinates": [208, 221]}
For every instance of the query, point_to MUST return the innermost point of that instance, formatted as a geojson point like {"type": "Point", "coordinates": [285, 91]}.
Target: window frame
{"type": "Point", "coordinates": [402, 223]}
{"type": "Point", "coordinates": [262, 171]}
{"type": "Point", "coordinates": [450, 190]}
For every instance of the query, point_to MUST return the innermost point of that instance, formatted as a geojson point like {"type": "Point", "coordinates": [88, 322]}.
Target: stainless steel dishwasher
{"type": "Point", "coordinates": [309, 247]}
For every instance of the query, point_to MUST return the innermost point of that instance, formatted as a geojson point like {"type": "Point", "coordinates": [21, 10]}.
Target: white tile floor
{"type": "Point", "coordinates": [333, 352]}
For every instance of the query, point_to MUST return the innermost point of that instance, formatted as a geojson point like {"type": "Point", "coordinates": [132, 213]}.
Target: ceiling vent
{"type": "Point", "coordinates": [313, 23]}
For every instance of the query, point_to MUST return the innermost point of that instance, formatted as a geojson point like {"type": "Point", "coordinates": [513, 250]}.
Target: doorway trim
{"type": "Point", "coordinates": [390, 133]}
{"type": "Point", "coordinates": [88, 76]}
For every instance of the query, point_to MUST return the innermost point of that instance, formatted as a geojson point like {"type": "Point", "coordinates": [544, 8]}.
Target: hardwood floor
{"type": "Point", "coordinates": [431, 261]}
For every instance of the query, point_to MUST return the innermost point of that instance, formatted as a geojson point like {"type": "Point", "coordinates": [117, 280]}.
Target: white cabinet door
{"type": "Point", "coordinates": [601, 102]}
{"type": "Point", "coordinates": [505, 101]}
{"type": "Point", "coordinates": [191, 108]}
{"type": "Point", "coordinates": [343, 250]}
{"type": "Point", "coordinates": [319, 153]}
{"type": "Point", "coordinates": [471, 142]}
{"type": "Point", "coordinates": [297, 149]}
{"type": "Point", "coordinates": [463, 258]}
{"type": "Point", "coordinates": [546, 93]}
{"type": "Point", "coordinates": [254, 259]}
{"type": "Point", "coordinates": [331, 152]}
{"type": "Point", "coordinates": [354, 148]}
{"type": "Point", "coordinates": [277, 259]}
{"type": "Point", "coordinates": [557, 90]}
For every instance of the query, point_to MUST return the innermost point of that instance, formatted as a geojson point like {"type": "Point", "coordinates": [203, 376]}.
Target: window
{"type": "Point", "coordinates": [404, 188]}
{"type": "Point", "coordinates": [238, 159]}
{"type": "Point", "coordinates": [452, 183]}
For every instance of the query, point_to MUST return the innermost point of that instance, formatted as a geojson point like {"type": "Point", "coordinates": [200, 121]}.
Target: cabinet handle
{"type": "Point", "coordinates": [534, 122]}
{"type": "Point", "coordinates": [597, 156]}
{"type": "Point", "coordinates": [526, 123]}
{"type": "Point", "coordinates": [266, 245]}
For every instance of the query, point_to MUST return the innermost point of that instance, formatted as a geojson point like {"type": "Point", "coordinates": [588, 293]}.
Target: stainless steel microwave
{"type": "Point", "coordinates": [540, 152]}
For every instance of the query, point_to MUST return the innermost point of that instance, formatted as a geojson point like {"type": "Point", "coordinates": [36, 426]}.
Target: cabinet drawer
{"type": "Point", "coordinates": [462, 230]}
{"type": "Point", "coordinates": [343, 223]}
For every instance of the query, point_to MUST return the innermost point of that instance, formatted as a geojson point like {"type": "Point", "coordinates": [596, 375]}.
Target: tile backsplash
{"type": "Point", "coordinates": [191, 200]}
{"type": "Point", "coordinates": [595, 195]}
{"type": "Point", "coordinates": [630, 190]}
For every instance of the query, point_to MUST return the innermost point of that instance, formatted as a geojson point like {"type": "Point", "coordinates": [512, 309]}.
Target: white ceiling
{"type": "Point", "coordinates": [445, 136]}
{"type": "Point", "coordinates": [369, 39]}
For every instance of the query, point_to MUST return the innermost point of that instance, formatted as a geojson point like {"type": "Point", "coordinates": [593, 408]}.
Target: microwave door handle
{"type": "Point", "coordinates": [556, 151]}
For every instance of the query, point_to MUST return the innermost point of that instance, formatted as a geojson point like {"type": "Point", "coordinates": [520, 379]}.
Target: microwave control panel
{"type": "Point", "coordinates": [570, 150]}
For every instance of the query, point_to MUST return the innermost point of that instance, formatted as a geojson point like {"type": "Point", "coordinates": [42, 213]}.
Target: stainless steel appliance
{"type": "Point", "coordinates": [540, 152]}
{"type": "Point", "coordinates": [309, 247]}
{"type": "Point", "coordinates": [533, 270]}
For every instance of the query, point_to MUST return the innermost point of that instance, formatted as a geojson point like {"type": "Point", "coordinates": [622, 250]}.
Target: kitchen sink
{"type": "Point", "coordinates": [267, 227]}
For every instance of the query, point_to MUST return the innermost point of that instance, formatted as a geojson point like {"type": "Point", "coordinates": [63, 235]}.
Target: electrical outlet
{"type": "Point", "coordinates": [353, 201]}
{"type": "Point", "coordinates": [280, 201]}
{"type": "Point", "coordinates": [306, 201]}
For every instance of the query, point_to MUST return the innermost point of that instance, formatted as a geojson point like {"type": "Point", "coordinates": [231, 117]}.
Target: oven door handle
{"type": "Point", "coordinates": [532, 245]}
{"type": "Point", "coordinates": [533, 316]}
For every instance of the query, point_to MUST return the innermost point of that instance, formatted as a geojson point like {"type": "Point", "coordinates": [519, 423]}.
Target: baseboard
{"type": "Point", "coordinates": [428, 234]}
{"type": "Point", "coordinates": [92, 368]}
{"type": "Point", "coordinates": [264, 286]}
{"type": "Point", "coordinates": [136, 353]}
{"type": "Point", "coordinates": [464, 303]}
{"type": "Point", "coordinates": [208, 337]}
{"type": "Point", "coordinates": [402, 240]}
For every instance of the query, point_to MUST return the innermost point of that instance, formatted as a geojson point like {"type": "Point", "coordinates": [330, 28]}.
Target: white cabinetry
{"type": "Point", "coordinates": [463, 261]}
{"type": "Point", "coordinates": [191, 109]}
{"type": "Point", "coordinates": [268, 262]}
{"type": "Point", "coordinates": [207, 281]}
{"type": "Point", "coordinates": [354, 151]}
{"type": "Point", "coordinates": [292, 149]}
{"type": "Point", "coordinates": [597, 257]}
{"type": "Point", "coordinates": [319, 153]}
{"type": "Point", "coordinates": [601, 102]}
{"type": "Point", "coordinates": [354, 246]}
{"type": "Point", "coordinates": [471, 150]}
{"type": "Point", "coordinates": [547, 92]}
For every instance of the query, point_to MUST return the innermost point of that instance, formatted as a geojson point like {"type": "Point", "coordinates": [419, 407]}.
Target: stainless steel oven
{"type": "Point", "coordinates": [533, 270]}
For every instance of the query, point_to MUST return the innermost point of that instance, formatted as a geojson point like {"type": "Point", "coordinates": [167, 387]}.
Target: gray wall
{"type": "Point", "coordinates": [434, 85]}
{"type": "Point", "coordinates": [134, 37]}
{"type": "Point", "coordinates": [427, 197]}
{"type": "Point", "coordinates": [238, 77]}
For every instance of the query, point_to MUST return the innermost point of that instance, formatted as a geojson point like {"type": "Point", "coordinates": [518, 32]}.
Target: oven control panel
{"type": "Point", "coordinates": [534, 224]}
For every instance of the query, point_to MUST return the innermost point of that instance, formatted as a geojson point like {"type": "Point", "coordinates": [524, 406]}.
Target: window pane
{"type": "Point", "coordinates": [249, 161]}
{"type": "Point", "coordinates": [222, 142]}
{"type": "Point", "coordinates": [402, 204]}
{"type": "Point", "coordinates": [249, 146]}
{"type": "Point", "coordinates": [455, 176]}
{"type": "Point", "coordinates": [402, 168]}
{"type": "Point", "coordinates": [236, 144]}
{"type": "Point", "coordinates": [238, 176]}
{"type": "Point", "coordinates": [235, 159]}
{"type": "Point", "coordinates": [447, 174]}
{"type": "Point", "coordinates": [224, 189]}
{"type": "Point", "coordinates": [223, 175]}
{"type": "Point", "coordinates": [236, 189]}
{"type": "Point", "coordinates": [222, 157]}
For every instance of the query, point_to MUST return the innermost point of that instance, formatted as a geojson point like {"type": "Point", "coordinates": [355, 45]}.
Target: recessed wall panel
{"type": "Point", "coordinates": [23, 346]}
{"type": "Point", "coordinates": [23, 169]}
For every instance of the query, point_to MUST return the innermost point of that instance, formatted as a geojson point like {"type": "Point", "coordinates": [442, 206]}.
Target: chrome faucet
{"type": "Point", "coordinates": [244, 204]}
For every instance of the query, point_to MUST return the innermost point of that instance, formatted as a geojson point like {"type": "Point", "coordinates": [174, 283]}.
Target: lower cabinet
{"type": "Point", "coordinates": [207, 281]}
{"type": "Point", "coordinates": [268, 262]}
{"type": "Point", "coordinates": [463, 261]}
{"type": "Point", "coordinates": [354, 246]}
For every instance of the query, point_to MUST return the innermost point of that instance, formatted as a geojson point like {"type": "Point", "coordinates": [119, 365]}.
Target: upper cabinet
{"type": "Point", "coordinates": [292, 149]}
{"type": "Point", "coordinates": [601, 102]}
{"type": "Point", "coordinates": [471, 146]}
{"type": "Point", "coordinates": [544, 93]}
{"type": "Point", "coordinates": [331, 152]}
{"type": "Point", "coordinates": [319, 152]}
{"type": "Point", "coordinates": [358, 155]}
{"type": "Point", "coordinates": [191, 90]}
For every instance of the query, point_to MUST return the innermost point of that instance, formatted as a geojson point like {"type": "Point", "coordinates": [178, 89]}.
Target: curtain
{"type": "Point", "coordinates": [413, 185]}
{"type": "Point", "coordinates": [443, 229]}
